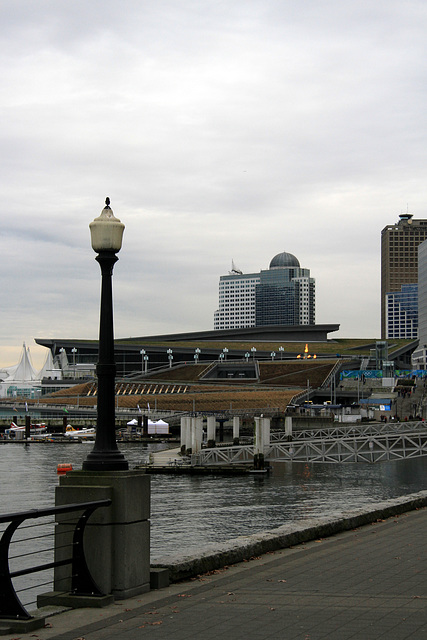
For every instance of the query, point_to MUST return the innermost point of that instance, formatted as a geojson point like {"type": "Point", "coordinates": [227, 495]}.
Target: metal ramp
{"type": "Point", "coordinates": [369, 444]}
{"type": "Point", "coordinates": [369, 449]}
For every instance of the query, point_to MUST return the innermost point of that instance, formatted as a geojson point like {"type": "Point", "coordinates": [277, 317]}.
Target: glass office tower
{"type": "Point", "coordinates": [399, 267]}
{"type": "Point", "coordinates": [419, 357]}
{"type": "Point", "coordinates": [402, 312]}
{"type": "Point", "coordinates": [284, 294]}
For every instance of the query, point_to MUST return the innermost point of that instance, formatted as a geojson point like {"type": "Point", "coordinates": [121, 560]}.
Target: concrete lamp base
{"type": "Point", "coordinates": [117, 538]}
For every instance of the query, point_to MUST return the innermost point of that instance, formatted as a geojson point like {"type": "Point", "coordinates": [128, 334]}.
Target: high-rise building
{"type": "Point", "coordinates": [284, 294]}
{"type": "Point", "coordinates": [402, 312]}
{"type": "Point", "coordinates": [419, 357]}
{"type": "Point", "coordinates": [236, 308]}
{"type": "Point", "coordinates": [399, 269]}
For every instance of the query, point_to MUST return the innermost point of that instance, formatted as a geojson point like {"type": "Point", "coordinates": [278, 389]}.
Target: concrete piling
{"type": "Point", "coordinates": [236, 430]}
{"type": "Point", "coordinates": [211, 431]}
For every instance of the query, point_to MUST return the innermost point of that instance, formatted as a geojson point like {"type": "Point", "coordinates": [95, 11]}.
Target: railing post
{"type": "Point", "coordinates": [82, 582]}
{"type": "Point", "coordinates": [10, 605]}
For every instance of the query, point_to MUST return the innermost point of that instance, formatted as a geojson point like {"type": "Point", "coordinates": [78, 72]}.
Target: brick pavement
{"type": "Point", "coordinates": [369, 583]}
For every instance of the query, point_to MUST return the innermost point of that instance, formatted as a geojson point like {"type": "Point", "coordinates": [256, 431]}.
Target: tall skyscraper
{"type": "Point", "coordinates": [419, 357]}
{"type": "Point", "coordinates": [399, 276]}
{"type": "Point", "coordinates": [284, 294]}
{"type": "Point", "coordinates": [236, 308]}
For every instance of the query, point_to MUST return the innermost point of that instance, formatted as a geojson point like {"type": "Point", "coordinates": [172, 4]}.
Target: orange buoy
{"type": "Point", "coordinates": [63, 468]}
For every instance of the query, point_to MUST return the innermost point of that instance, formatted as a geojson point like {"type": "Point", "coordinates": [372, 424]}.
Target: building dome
{"type": "Point", "coordinates": [284, 260]}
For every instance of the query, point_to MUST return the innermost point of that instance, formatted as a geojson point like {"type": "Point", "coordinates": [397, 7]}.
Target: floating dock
{"type": "Point", "coordinates": [187, 469]}
{"type": "Point", "coordinates": [171, 462]}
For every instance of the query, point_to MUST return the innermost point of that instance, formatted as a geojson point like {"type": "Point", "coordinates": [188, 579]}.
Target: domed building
{"type": "Point", "coordinates": [284, 260]}
{"type": "Point", "coordinates": [283, 294]}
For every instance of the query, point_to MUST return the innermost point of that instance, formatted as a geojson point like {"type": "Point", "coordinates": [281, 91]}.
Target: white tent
{"type": "Point", "coordinates": [159, 427]}
{"type": "Point", "coordinates": [24, 370]}
{"type": "Point", "coordinates": [22, 377]}
{"type": "Point", "coordinates": [49, 370]}
{"type": "Point", "coordinates": [154, 426]}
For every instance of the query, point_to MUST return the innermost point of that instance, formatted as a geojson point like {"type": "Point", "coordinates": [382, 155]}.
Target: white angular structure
{"type": "Point", "coordinates": [23, 379]}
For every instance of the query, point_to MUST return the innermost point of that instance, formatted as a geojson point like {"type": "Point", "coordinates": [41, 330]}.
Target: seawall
{"type": "Point", "coordinates": [219, 555]}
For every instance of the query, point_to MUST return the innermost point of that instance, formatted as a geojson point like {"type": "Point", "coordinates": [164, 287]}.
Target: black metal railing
{"type": "Point", "coordinates": [82, 582]}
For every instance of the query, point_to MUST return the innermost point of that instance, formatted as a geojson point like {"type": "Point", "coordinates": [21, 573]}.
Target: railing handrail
{"type": "Point", "coordinates": [41, 513]}
{"type": "Point", "coordinates": [81, 582]}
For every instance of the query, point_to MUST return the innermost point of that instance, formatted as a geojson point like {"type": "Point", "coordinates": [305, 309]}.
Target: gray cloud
{"type": "Point", "coordinates": [219, 131]}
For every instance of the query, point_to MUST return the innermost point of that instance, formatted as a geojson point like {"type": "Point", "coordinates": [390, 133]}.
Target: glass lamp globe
{"type": "Point", "coordinates": [106, 231]}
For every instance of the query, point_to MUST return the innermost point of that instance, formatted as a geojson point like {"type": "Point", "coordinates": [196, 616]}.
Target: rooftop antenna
{"type": "Point", "coordinates": [235, 270]}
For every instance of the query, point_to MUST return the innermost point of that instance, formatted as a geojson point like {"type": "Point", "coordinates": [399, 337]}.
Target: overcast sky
{"type": "Point", "coordinates": [220, 130]}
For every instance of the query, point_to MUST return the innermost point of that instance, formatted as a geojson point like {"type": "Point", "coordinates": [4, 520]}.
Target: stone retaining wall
{"type": "Point", "coordinates": [243, 548]}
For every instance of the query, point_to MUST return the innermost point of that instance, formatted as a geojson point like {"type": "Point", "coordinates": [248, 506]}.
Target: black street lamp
{"type": "Point", "coordinates": [106, 236]}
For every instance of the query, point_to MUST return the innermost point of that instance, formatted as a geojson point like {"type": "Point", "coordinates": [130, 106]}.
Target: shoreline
{"type": "Point", "coordinates": [208, 563]}
{"type": "Point", "coordinates": [243, 548]}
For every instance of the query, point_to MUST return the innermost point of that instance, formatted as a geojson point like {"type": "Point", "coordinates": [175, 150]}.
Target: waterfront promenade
{"type": "Point", "coordinates": [365, 583]}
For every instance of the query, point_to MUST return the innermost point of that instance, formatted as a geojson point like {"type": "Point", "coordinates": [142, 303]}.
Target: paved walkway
{"type": "Point", "coordinates": [364, 584]}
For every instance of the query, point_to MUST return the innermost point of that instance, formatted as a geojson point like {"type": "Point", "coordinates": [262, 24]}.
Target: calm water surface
{"type": "Point", "coordinates": [190, 512]}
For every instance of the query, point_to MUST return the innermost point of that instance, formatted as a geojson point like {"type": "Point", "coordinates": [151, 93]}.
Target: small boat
{"type": "Point", "coordinates": [80, 433]}
{"type": "Point", "coordinates": [63, 468]}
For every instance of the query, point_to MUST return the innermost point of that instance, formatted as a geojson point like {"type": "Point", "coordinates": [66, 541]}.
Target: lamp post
{"type": "Point", "coordinates": [74, 351]}
{"type": "Point", "coordinates": [106, 235]}
{"type": "Point", "coordinates": [225, 351]}
{"type": "Point", "coordinates": [170, 357]}
{"type": "Point", "coordinates": [196, 356]}
{"type": "Point", "coordinates": [281, 349]}
{"type": "Point", "coordinates": [253, 350]}
{"type": "Point", "coordinates": [145, 364]}
{"type": "Point", "coordinates": [273, 355]}
{"type": "Point", "coordinates": [142, 352]}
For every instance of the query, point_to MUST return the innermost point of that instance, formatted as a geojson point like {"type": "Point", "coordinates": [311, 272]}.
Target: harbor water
{"type": "Point", "coordinates": [188, 512]}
